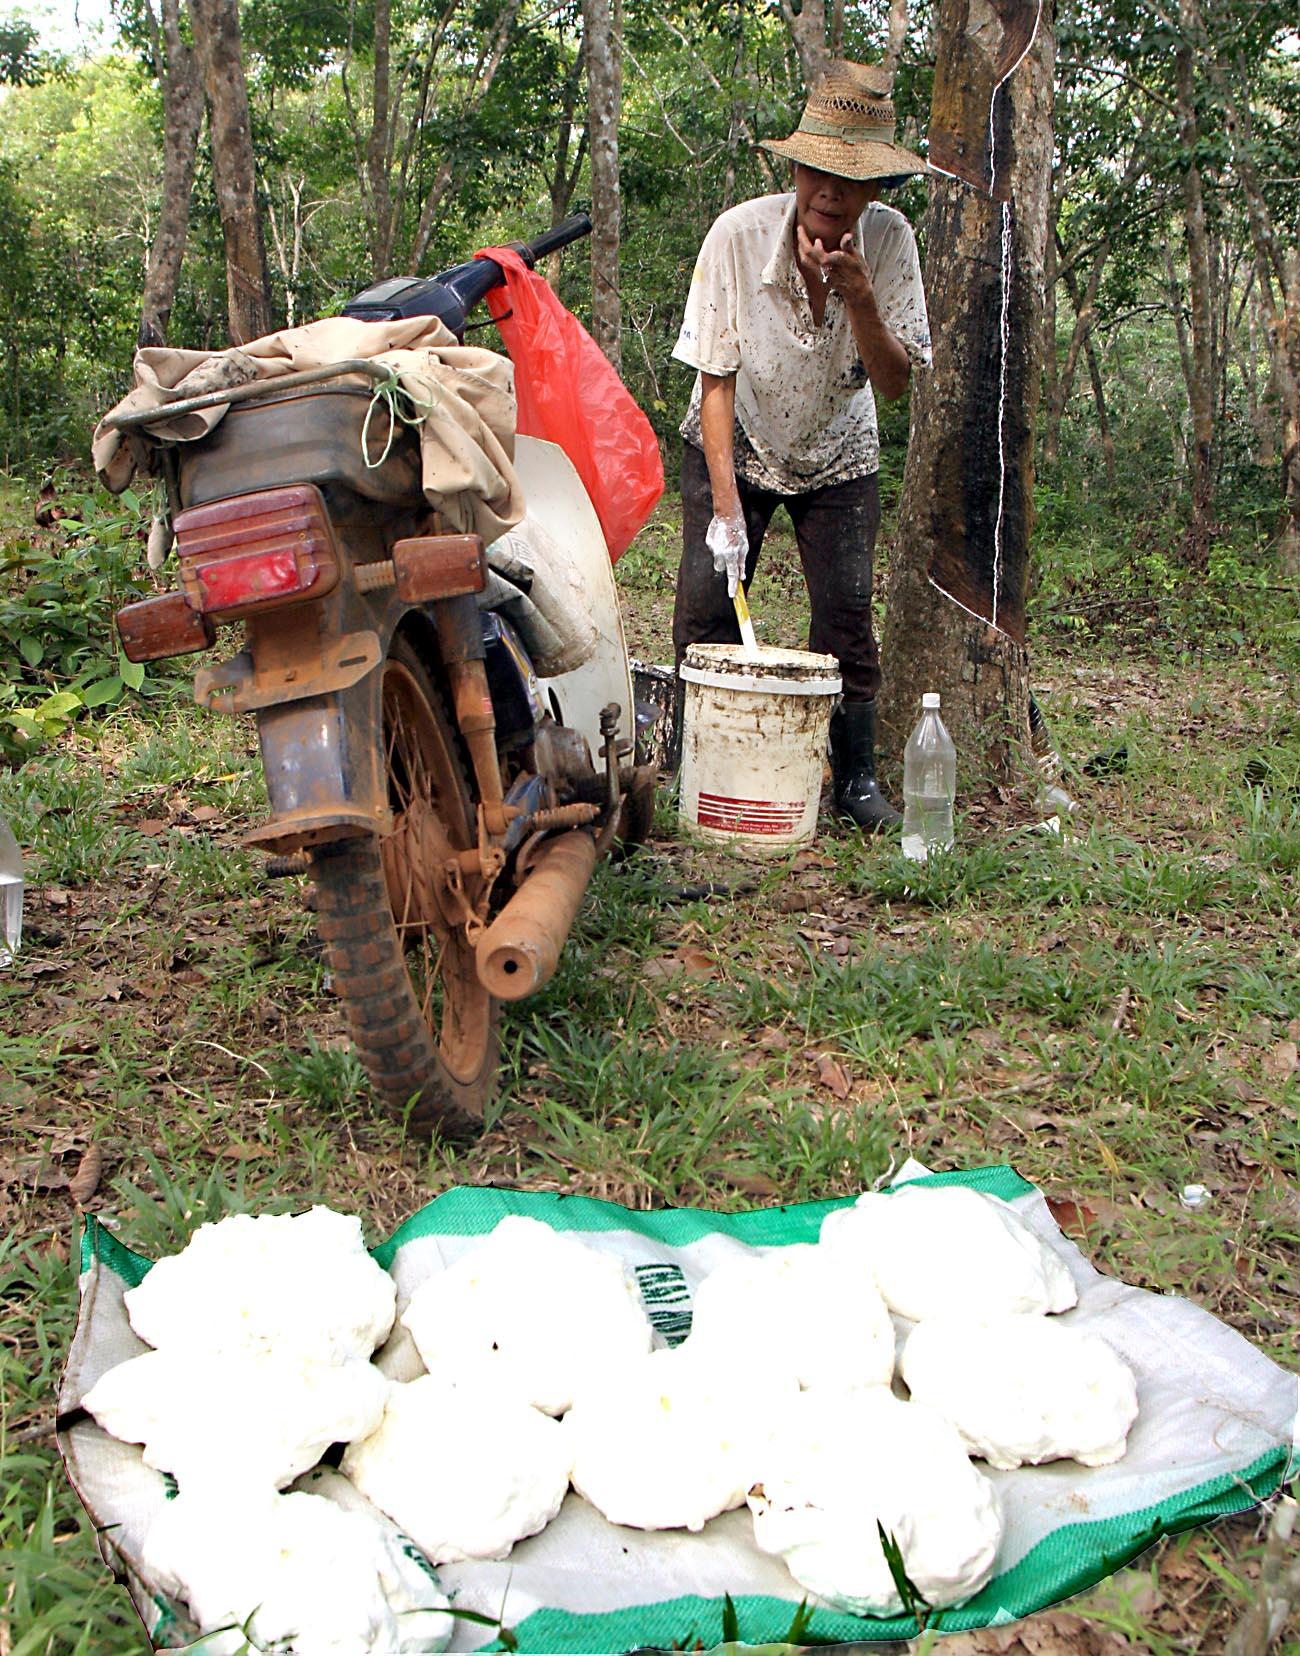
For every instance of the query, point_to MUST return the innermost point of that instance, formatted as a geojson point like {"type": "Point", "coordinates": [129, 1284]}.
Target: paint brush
{"type": "Point", "coordinates": [747, 639]}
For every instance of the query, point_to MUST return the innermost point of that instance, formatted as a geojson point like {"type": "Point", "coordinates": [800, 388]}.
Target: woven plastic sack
{"type": "Point", "coordinates": [1216, 1434]}
{"type": "Point", "coordinates": [569, 394]}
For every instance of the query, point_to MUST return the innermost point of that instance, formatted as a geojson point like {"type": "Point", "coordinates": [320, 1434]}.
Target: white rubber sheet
{"type": "Point", "coordinates": [1216, 1432]}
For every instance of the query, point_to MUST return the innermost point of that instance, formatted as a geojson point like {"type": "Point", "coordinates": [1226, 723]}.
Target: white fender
{"type": "Point", "coordinates": [558, 501]}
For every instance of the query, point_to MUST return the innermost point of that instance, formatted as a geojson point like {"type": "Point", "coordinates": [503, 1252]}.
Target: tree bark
{"type": "Point", "coordinates": [1052, 396]}
{"type": "Point", "coordinates": [958, 576]}
{"type": "Point", "coordinates": [1099, 402]}
{"type": "Point", "coordinates": [566, 168]}
{"type": "Point", "coordinates": [602, 29]}
{"type": "Point", "coordinates": [808, 31]}
{"type": "Point", "coordinates": [1277, 271]}
{"type": "Point", "coordinates": [234, 172]}
{"type": "Point", "coordinates": [1198, 359]}
{"type": "Point", "coordinates": [1084, 305]}
{"type": "Point", "coordinates": [379, 220]}
{"type": "Point", "coordinates": [182, 93]}
{"type": "Point", "coordinates": [897, 37]}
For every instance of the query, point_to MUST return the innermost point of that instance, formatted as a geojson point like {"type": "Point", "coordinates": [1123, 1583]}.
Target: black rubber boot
{"type": "Point", "coordinates": [853, 765]}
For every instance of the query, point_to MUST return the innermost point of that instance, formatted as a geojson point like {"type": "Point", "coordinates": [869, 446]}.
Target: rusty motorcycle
{"type": "Point", "coordinates": [447, 800]}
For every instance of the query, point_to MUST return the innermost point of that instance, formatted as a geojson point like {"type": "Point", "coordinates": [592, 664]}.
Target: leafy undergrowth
{"type": "Point", "coordinates": [1115, 1013]}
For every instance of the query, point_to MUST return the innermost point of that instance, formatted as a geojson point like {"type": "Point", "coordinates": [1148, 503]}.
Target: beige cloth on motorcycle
{"type": "Point", "coordinates": [463, 395]}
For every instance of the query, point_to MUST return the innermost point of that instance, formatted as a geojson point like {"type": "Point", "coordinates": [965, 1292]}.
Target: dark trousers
{"type": "Point", "coordinates": [835, 528]}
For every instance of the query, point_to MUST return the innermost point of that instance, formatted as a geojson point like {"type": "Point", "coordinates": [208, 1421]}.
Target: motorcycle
{"type": "Point", "coordinates": [447, 800]}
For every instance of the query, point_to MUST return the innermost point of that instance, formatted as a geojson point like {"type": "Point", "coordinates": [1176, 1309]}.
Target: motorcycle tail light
{"type": "Point", "coordinates": [256, 551]}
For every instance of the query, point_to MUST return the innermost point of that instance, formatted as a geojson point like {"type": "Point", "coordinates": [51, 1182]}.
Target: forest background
{"type": "Point", "coordinates": [388, 136]}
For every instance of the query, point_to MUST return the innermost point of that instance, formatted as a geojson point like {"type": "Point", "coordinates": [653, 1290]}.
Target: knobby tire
{"type": "Point", "coordinates": [387, 943]}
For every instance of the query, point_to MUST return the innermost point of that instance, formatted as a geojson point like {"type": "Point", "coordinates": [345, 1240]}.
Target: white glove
{"type": "Point", "coordinates": [729, 544]}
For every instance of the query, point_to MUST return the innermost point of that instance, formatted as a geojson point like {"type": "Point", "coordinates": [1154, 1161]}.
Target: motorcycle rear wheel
{"type": "Point", "coordinates": [423, 1025]}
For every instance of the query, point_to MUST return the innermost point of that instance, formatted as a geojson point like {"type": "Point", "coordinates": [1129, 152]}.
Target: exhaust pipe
{"type": "Point", "coordinates": [518, 952]}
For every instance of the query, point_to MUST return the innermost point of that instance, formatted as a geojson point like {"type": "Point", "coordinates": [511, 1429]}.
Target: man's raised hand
{"type": "Point", "coordinates": [847, 272]}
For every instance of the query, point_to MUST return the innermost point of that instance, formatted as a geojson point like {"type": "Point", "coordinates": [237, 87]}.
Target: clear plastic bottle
{"type": "Point", "coordinates": [929, 785]}
{"type": "Point", "coordinates": [11, 894]}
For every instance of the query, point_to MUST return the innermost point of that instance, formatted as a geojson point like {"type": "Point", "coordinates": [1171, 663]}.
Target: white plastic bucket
{"type": "Point", "coordinates": [754, 742]}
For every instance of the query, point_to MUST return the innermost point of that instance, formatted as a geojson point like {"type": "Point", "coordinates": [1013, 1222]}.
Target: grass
{"type": "Point", "coordinates": [1116, 1013]}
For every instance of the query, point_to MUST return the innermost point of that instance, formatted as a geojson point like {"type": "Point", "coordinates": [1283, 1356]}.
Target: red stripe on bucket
{"type": "Point", "coordinates": [749, 816]}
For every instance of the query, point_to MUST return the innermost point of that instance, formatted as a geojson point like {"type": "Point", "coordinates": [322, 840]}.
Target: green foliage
{"type": "Point", "coordinates": [57, 603]}
{"type": "Point", "coordinates": [328, 1080]}
{"type": "Point", "coordinates": [20, 61]}
{"type": "Point", "coordinates": [80, 176]}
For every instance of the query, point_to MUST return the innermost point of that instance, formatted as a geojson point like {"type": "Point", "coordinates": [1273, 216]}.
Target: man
{"type": "Point", "coordinates": [802, 306]}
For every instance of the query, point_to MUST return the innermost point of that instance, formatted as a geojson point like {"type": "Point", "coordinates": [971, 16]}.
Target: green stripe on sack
{"type": "Point", "coordinates": [99, 1245]}
{"type": "Point", "coordinates": [469, 1211]}
{"type": "Point", "coordinates": [1067, 1562]}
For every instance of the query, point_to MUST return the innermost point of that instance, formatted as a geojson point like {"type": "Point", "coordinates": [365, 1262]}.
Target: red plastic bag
{"type": "Point", "coordinates": [569, 394]}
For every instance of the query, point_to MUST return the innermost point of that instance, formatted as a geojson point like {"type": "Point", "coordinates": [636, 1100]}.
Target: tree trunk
{"type": "Point", "coordinates": [957, 579]}
{"type": "Point", "coordinates": [1060, 384]}
{"type": "Point", "coordinates": [1198, 360]}
{"type": "Point", "coordinates": [1277, 270]}
{"type": "Point", "coordinates": [182, 94]}
{"type": "Point", "coordinates": [1084, 305]}
{"type": "Point", "coordinates": [234, 173]}
{"type": "Point", "coordinates": [566, 168]}
{"type": "Point", "coordinates": [379, 219]}
{"type": "Point", "coordinates": [602, 27]}
{"type": "Point", "coordinates": [1099, 402]}
{"type": "Point", "coordinates": [1052, 396]}
{"type": "Point", "coordinates": [808, 31]}
{"type": "Point", "coordinates": [897, 37]}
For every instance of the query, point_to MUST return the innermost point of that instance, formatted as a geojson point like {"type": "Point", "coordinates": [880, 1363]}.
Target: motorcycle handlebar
{"type": "Point", "coordinates": [470, 282]}
{"type": "Point", "coordinates": [550, 241]}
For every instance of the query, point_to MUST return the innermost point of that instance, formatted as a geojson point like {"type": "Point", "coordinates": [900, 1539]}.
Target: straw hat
{"type": "Point", "coordinates": [847, 127]}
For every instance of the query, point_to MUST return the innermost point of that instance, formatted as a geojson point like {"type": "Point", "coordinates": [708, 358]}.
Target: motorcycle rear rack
{"type": "Point", "coordinates": [250, 392]}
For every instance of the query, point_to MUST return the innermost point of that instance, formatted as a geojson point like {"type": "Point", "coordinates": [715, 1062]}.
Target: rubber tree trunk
{"type": "Point", "coordinates": [380, 225]}
{"type": "Point", "coordinates": [1277, 272]}
{"type": "Point", "coordinates": [958, 574]}
{"type": "Point", "coordinates": [807, 27]}
{"type": "Point", "coordinates": [1199, 368]}
{"type": "Point", "coordinates": [248, 287]}
{"type": "Point", "coordinates": [602, 33]}
{"type": "Point", "coordinates": [182, 92]}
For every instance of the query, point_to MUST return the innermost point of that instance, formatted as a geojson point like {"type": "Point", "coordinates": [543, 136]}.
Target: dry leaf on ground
{"type": "Point", "coordinates": [235, 1151]}
{"type": "Point", "coordinates": [832, 1075]}
{"type": "Point", "coordinates": [754, 1184]}
{"type": "Point", "coordinates": [1050, 1634]}
{"type": "Point", "coordinates": [42, 1174]}
{"type": "Point", "coordinates": [1074, 1218]}
{"type": "Point", "coordinates": [85, 1181]}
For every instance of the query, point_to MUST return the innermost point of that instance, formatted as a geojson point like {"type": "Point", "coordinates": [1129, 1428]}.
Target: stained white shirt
{"type": "Point", "coordinates": [805, 412]}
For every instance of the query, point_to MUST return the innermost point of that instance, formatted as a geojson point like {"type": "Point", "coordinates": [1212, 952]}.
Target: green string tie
{"type": "Point", "coordinates": [404, 408]}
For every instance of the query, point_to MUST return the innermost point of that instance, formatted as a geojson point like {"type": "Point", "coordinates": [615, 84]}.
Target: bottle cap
{"type": "Point", "coordinates": [930, 700]}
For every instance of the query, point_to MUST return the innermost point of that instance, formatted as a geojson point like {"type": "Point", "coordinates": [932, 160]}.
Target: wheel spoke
{"type": "Point", "coordinates": [429, 797]}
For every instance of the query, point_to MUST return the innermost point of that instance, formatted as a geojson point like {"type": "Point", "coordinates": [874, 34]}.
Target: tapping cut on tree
{"type": "Point", "coordinates": [958, 577]}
